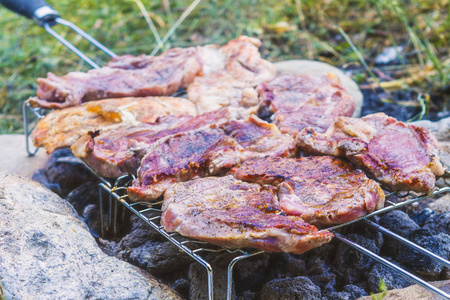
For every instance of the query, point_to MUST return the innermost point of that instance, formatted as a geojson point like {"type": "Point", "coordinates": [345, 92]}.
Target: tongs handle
{"type": "Point", "coordinates": [33, 9]}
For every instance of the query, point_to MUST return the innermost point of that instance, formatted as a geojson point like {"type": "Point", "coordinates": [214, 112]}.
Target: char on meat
{"type": "Point", "coordinates": [209, 150]}
{"type": "Point", "coordinates": [62, 128]}
{"type": "Point", "coordinates": [323, 190]}
{"type": "Point", "coordinates": [230, 75]}
{"type": "Point", "coordinates": [403, 157]}
{"type": "Point", "coordinates": [235, 214]}
{"type": "Point", "coordinates": [119, 151]}
{"type": "Point", "coordinates": [294, 102]}
{"type": "Point", "coordinates": [123, 76]}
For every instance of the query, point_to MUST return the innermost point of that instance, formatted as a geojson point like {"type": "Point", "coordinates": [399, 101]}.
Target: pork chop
{"type": "Point", "coordinates": [230, 75]}
{"type": "Point", "coordinates": [235, 214]}
{"type": "Point", "coordinates": [62, 128]}
{"type": "Point", "coordinates": [116, 152]}
{"type": "Point", "coordinates": [124, 76]}
{"type": "Point", "coordinates": [323, 190]}
{"type": "Point", "coordinates": [401, 156]}
{"type": "Point", "coordinates": [294, 102]}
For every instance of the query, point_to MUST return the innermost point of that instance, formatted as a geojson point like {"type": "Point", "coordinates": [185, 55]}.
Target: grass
{"type": "Point", "coordinates": [343, 33]}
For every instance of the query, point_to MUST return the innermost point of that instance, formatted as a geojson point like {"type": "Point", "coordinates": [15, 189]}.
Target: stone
{"type": "Point", "coordinates": [298, 288]}
{"type": "Point", "coordinates": [441, 205]}
{"type": "Point", "coordinates": [413, 292]}
{"type": "Point", "coordinates": [15, 159]}
{"type": "Point", "coordinates": [416, 262]}
{"type": "Point", "coordinates": [392, 279]}
{"type": "Point", "coordinates": [317, 68]}
{"type": "Point", "coordinates": [439, 223]}
{"type": "Point", "coordinates": [47, 252]}
{"type": "Point", "coordinates": [441, 129]}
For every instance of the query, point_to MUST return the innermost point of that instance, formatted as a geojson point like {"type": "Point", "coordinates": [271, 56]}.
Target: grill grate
{"type": "Point", "coordinates": [117, 194]}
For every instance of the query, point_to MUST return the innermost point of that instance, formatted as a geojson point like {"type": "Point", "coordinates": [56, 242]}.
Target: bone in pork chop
{"type": "Point", "coordinates": [124, 76]}
{"type": "Point", "coordinates": [61, 128]}
{"type": "Point", "coordinates": [403, 157]}
{"type": "Point", "coordinates": [235, 214]}
{"type": "Point", "coordinates": [230, 75]}
{"type": "Point", "coordinates": [294, 102]}
{"type": "Point", "coordinates": [119, 151]}
{"type": "Point", "coordinates": [323, 190]}
{"type": "Point", "coordinates": [207, 151]}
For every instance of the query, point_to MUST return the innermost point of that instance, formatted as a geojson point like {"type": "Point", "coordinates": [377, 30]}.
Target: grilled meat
{"type": "Point", "coordinates": [234, 214]}
{"type": "Point", "coordinates": [323, 190]}
{"type": "Point", "coordinates": [122, 77]}
{"type": "Point", "coordinates": [403, 157]}
{"type": "Point", "coordinates": [182, 156]}
{"type": "Point", "coordinates": [60, 129]}
{"type": "Point", "coordinates": [209, 150]}
{"type": "Point", "coordinates": [230, 75]}
{"type": "Point", "coordinates": [294, 102]}
{"type": "Point", "coordinates": [119, 151]}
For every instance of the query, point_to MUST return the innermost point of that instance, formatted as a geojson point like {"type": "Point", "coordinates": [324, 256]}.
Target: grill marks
{"type": "Point", "coordinates": [403, 157]}
{"type": "Point", "coordinates": [231, 213]}
{"type": "Point", "coordinates": [323, 190]}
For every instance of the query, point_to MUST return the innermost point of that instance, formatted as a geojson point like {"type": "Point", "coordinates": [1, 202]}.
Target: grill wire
{"type": "Point", "coordinates": [116, 195]}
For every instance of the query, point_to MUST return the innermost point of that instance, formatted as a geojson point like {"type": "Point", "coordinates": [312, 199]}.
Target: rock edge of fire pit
{"type": "Point", "coordinates": [47, 252]}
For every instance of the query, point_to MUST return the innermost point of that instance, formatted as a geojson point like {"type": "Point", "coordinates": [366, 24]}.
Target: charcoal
{"type": "Point", "coordinates": [198, 282]}
{"type": "Point", "coordinates": [91, 216]}
{"type": "Point", "coordinates": [290, 288]}
{"type": "Point", "coordinates": [293, 265]}
{"type": "Point", "coordinates": [248, 295]}
{"type": "Point", "coordinates": [182, 287]}
{"type": "Point", "coordinates": [85, 194]}
{"type": "Point", "coordinates": [439, 244]}
{"type": "Point", "coordinates": [338, 296]}
{"type": "Point", "coordinates": [355, 291]}
{"type": "Point", "coordinates": [158, 258]}
{"type": "Point", "coordinates": [352, 264]}
{"type": "Point", "coordinates": [140, 233]}
{"type": "Point", "coordinates": [253, 271]}
{"type": "Point", "coordinates": [400, 223]}
{"type": "Point", "coordinates": [391, 278]}
{"type": "Point", "coordinates": [439, 223]}
{"type": "Point", "coordinates": [66, 172]}
{"type": "Point", "coordinates": [321, 274]}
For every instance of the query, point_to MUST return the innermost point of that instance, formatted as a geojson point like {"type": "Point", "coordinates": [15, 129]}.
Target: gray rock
{"type": "Point", "coordinates": [15, 159]}
{"type": "Point", "coordinates": [298, 288]}
{"type": "Point", "coordinates": [439, 244]}
{"type": "Point", "coordinates": [317, 68]}
{"type": "Point", "coordinates": [350, 263]}
{"type": "Point", "coordinates": [441, 205]}
{"type": "Point", "coordinates": [48, 253]}
{"type": "Point", "coordinates": [439, 223]}
{"type": "Point", "coordinates": [391, 278]}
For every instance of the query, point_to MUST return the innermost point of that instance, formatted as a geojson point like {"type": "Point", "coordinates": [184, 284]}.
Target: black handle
{"type": "Point", "coordinates": [32, 9]}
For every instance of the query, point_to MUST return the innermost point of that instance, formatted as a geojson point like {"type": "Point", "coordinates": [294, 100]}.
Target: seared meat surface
{"type": "Point", "coordinates": [180, 157]}
{"type": "Point", "coordinates": [294, 102]}
{"type": "Point", "coordinates": [209, 150]}
{"type": "Point", "coordinates": [62, 128]}
{"type": "Point", "coordinates": [323, 190]}
{"type": "Point", "coordinates": [403, 157]}
{"type": "Point", "coordinates": [235, 214]}
{"type": "Point", "coordinates": [124, 76]}
{"type": "Point", "coordinates": [230, 75]}
{"type": "Point", "coordinates": [119, 151]}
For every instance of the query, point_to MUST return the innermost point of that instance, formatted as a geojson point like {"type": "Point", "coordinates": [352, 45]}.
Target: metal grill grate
{"type": "Point", "coordinates": [117, 194]}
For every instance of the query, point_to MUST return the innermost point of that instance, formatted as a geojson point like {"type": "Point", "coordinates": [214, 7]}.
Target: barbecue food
{"type": "Point", "coordinates": [180, 157]}
{"type": "Point", "coordinates": [62, 128]}
{"type": "Point", "coordinates": [122, 77]}
{"type": "Point", "coordinates": [119, 151]}
{"type": "Point", "coordinates": [209, 150]}
{"type": "Point", "coordinates": [403, 157]}
{"type": "Point", "coordinates": [230, 75]}
{"type": "Point", "coordinates": [294, 102]}
{"type": "Point", "coordinates": [323, 190]}
{"type": "Point", "coordinates": [234, 214]}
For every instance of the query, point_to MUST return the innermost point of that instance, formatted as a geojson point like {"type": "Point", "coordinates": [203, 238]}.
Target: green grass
{"type": "Point", "coordinates": [342, 33]}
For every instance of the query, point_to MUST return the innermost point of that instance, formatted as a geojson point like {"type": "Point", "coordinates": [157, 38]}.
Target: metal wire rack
{"type": "Point", "coordinates": [116, 194]}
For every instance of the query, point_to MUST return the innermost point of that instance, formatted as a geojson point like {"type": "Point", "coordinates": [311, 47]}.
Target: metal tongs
{"type": "Point", "coordinates": [47, 17]}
